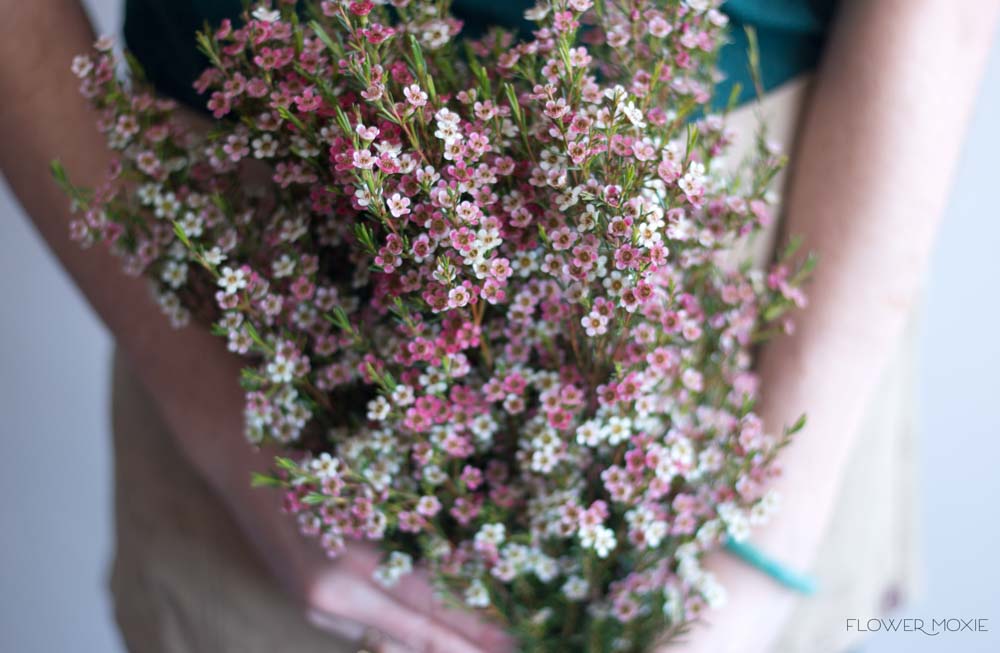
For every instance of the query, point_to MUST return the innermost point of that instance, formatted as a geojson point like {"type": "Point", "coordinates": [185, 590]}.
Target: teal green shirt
{"type": "Point", "coordinates": [791, 33]}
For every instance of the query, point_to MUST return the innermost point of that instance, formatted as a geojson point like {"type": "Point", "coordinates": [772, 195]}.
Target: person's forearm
{"type": "Point", "coordinates": [44, 117]}
{"type": "Point", "coordinates": [870, 180]}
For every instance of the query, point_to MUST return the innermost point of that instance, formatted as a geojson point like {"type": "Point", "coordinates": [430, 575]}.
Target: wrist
{"type": "Point", "coordinates": [750, 621]}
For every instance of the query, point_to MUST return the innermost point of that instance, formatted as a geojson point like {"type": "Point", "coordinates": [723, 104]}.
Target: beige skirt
{"type": "Point", "coordinates": [185, 580]}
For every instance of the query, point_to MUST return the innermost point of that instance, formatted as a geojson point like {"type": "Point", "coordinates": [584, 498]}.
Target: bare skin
{"type": "Point", "coordinates": [193, 377]}
{"type": "Point", "coordinates": [868, 185]}
{"type": "Point", "coordinates": [880, 142]}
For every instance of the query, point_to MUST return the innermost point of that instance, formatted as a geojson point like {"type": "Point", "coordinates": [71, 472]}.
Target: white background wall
{"type": "Point", "coordinates": [55, 498]}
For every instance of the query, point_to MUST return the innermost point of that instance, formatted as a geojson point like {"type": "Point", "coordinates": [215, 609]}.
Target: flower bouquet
{"type": "Point", "coordinates": [484, 290]}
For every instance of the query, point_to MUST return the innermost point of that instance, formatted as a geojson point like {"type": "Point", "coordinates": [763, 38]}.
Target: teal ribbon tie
{"type": "Point", "coordinates": [748, 553]}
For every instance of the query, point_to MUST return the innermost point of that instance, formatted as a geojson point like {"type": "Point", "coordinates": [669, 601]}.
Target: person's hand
{"type": "Point", "coordinates": [342, 597]}
{"type": "Point", "coordinates": [749, 622]}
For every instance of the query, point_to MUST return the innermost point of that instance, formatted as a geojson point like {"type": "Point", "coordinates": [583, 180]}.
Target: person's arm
{"type": "Point", "coordinates": [869, 182]}
{"type": "Point", "coordinates": [194, 379]}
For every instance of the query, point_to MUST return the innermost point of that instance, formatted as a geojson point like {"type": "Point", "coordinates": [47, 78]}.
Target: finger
{"type": "Point", "coordinates": [487, 636]}
{"type": "Point", "coordinates": [389, 646]}
{"type": "Point", "coordinates": [414, 590]}
{"type": "Point", "coordinates": [367, 638]}
{"type": "Point", "coordinates": [339, 626]}
{"type": "Point", "coordinates": [355, 599]}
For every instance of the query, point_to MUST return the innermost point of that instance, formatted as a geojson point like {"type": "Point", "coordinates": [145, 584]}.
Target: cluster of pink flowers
{"type": "Point", "coordinates": [485, 298]}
